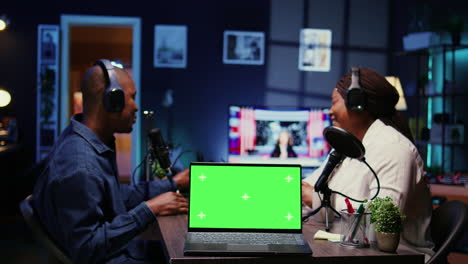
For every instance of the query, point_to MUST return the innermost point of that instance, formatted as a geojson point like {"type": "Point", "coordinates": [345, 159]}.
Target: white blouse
{"type": "Point", "coordinates": [400, 170]}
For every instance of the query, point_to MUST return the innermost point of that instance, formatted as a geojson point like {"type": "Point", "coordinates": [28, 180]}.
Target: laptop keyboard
{"type": "Point", "coordinates": [246, 238]}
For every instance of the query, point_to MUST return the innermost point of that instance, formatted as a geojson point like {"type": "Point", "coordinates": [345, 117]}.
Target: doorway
{"type": "Point", "coordinates": [85, 40]}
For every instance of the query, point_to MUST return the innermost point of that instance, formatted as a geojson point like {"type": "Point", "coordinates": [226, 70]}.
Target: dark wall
{"type": "Point", "coordinates": [205, 84]}
{"type": "Point", "coordinates": [195, 88]}
{"type": "Point", "coordinates": [202, 92]}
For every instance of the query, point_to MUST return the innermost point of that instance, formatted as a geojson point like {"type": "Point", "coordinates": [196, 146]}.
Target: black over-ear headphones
{"type": "Point", "coordinates": [114, 96]}
{"type": "Point", "coordinates": [356, 98]}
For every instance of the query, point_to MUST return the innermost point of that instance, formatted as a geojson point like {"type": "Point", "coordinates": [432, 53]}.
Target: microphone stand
{"type": "Point", "coordinates": [326, 204]}
{"type": "Point", "coordinates": [321, 186]}
{"type": "Point", "coordinates": [149, 119]}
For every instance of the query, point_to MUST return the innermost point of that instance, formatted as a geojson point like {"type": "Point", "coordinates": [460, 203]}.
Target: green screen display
{"type": "Point", "coordinates": [240, 196]}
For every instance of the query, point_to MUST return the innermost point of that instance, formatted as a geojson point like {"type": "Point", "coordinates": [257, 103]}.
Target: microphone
{"type": "Point", "coordinates": [334, 159]}
{"type": "Point", "coordinates": [159, 149]}
{"type": "Point", "coordinates": [344, 142]}
{"type": "Point", "coordinates": [344, 145]}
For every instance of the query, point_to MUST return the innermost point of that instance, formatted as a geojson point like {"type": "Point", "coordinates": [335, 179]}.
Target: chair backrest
{"type": "Point", "coordinates": [448, 223]}
{"type": "Point", "coordinates": [40, 232]}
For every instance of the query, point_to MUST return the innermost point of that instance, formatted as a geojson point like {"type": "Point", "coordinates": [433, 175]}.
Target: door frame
{"type": "Point", "coordinates": [66, 22]}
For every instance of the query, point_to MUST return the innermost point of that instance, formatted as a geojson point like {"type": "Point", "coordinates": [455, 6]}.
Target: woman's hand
{"type": "Point", "coordinates": [307, 190]}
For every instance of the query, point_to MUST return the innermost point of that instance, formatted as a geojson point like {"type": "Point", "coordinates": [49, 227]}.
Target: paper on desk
{"type": "Point", "coordinates": [332, 237]}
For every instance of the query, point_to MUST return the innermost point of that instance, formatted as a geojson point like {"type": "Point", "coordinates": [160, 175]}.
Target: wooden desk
{"type": "Point", "coordinates": [173, 229]}
{"type": "Point", "coordinates": [451, 192]}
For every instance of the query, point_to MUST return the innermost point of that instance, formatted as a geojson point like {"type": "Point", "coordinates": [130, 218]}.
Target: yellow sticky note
{"type": "Point", "coordinates": [327, 236]}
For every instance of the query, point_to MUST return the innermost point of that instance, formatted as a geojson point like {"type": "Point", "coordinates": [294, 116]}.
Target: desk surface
{"type": "Point", "coordinates": [173, 230]}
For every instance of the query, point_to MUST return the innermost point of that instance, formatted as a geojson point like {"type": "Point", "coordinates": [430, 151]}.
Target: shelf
{"type": "Point", "coordinates": [422, 142]}
{"type": "Point", "coordinates": [436, 95]}
{"type": "Point", "coordinates": [445, 98]}
{"type": "Point", "coordinates": [430, 49]}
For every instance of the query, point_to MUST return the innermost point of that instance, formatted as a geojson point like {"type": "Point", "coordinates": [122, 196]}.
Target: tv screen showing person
{"type": "Point", "coordinates": [255, 133]}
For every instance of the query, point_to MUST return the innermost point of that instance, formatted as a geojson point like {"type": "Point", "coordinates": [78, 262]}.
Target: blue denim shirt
{"type": "Point", "coordinates": [80, 201]}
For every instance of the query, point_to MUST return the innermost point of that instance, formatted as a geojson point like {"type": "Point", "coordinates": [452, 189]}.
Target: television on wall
{"type": "Point", "coordinates": [278, 135]}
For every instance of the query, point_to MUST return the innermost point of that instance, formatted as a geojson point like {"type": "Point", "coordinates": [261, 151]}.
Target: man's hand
{"type": "Point", "coordinates": [168, 203]}
{"type": "Point", "coordinates": [307, 190]}
{"type": "Point", "coordinates": [182, 179]}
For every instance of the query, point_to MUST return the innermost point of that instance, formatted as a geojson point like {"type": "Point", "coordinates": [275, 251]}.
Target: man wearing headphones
{"type": "Point", "coordinates": [363, 103]}
{"type": "Point", "coordinates": [78, 197]}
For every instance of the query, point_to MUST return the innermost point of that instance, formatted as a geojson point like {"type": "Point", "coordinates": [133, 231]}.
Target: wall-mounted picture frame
{"type": "Point", "coordinates": [170, 46]}
{"type": "Point", "coordinates": [48, 37]}
{"type": "Point", "coordinates": [49, 43]}
{"type": "Point", "coordinates": [244, 47]}
{"type": "Point", "coordinates": [315, 49]}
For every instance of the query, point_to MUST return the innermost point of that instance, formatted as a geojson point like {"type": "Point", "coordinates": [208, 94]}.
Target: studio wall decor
{"type": "Point", "coordinates": [47, 88]}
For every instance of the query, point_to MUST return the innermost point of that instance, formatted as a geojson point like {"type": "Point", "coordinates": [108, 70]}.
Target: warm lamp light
{"type": "Point", "coordinates": [4, 22]}
{"type": "Point", "coordinates": [395, 81]}
{"type": "Point", "coordinates": [5, 98]}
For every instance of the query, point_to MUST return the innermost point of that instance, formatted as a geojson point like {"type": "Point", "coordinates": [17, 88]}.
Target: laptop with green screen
{"type": "Point", "coordinates": [245, 209]}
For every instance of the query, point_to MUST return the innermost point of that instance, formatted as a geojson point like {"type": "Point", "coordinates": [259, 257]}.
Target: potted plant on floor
{"type": "Point", "coordinates": [388, 222]}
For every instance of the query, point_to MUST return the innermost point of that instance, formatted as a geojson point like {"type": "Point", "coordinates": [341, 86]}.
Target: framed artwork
{"type": "Point", "coordinates": [244, 47]}
{"type": "Point", "coordinates": [170, 46]}
{"type": "Point", "coordinates": [49, 43]}
{"type": "Point", "coordinates": [315, 50]}
{"type": "Point", "coordinates": [47, 87]}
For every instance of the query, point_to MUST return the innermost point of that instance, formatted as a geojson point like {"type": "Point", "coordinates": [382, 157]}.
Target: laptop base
{"type": "Point", "coordinates": [244, 250]}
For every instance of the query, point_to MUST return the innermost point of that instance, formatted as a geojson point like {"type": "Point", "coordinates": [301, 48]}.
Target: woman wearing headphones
{"type": "Point", "coordinates": [363, 103]}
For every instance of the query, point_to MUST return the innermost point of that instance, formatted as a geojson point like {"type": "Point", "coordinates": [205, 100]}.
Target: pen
{"type": "Point", "coordinates": [349, 205]}
{"type": "Point", "coordinates": [355, 228]}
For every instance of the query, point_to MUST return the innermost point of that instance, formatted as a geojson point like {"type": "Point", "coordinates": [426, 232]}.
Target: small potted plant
{"type": "Point", "coordinates": [388, 222]}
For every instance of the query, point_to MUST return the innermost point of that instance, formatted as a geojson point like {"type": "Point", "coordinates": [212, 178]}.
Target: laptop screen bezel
{"type": "Point", "coordinates": [250, 230]}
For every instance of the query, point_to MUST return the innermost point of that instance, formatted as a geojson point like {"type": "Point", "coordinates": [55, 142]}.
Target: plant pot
{"type": "Point", "coordinates": [387, 242]}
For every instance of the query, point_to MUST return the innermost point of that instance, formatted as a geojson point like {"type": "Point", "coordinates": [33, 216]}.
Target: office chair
{"type": "Point", "coordinates": [54, 253]}
{"type": "Point", "coordinates": [447, 226]}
